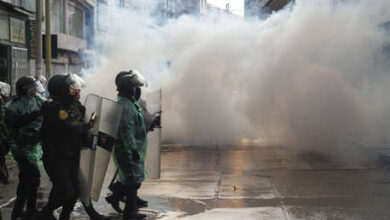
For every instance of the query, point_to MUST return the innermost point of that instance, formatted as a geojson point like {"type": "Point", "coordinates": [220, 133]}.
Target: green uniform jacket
{"type": "Point", "coordinates": [132, 137]}
{"type": "Point", "coordinates": [24, 141]}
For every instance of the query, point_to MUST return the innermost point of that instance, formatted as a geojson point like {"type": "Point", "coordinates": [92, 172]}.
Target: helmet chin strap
{"type": "Point", "coordinates": [137, 94]}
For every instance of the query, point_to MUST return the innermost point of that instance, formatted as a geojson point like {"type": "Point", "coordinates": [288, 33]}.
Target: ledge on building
{"type": "Point", "coordinates": [70, 43]}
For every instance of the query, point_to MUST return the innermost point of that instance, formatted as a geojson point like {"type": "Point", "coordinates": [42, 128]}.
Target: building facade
{"type": "Point", "coordinates": [13, 48]}
{"type": "Point", "coordinates": [73, 26]}
{"type": "Point", "coordinates": [175, 8]}
{"type": "Point", "coordinates": [262, 8]}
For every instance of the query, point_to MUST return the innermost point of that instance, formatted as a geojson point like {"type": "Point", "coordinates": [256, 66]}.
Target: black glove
{"type": "Point", "coordinates": [136, 156]}
{"type": "Point", "coordinates": [43, 107]}
{"type": "Point", "coordinates": [89, 140]}
{"type": "Point", "coordinates": [105, 141]}
{"type": "Point", "coordinates": [91, 121]}
{"type": "Point", "coordinates": [156, 123]}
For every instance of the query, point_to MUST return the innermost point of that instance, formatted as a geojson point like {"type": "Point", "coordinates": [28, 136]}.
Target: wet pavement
{"type": "Point", "coordinates": [256, 183]}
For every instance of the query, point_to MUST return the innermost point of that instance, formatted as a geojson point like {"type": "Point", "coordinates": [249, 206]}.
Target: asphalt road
{"type": "Point", "coordinates": [246, 183]}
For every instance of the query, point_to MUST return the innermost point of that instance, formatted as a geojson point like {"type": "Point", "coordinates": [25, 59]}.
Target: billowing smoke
{"type": "Point", "coordinates": [313, 74]}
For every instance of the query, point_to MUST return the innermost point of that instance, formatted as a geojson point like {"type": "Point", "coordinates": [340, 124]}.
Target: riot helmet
{"type": "Point", "coordinates": [76, 84]}
{"type": "Point", "coordinates": [25, 84]}
{"type": "Point", "coordinates": [129, 83]}
{"type": "Point", "coordinates": [75, 81]}
{"type": "Point", "coordinates": [65, 85]}
{"type": "Point", "coordinates": [5, 89]}
{"type": "Point", "coordinates": [120, 75]}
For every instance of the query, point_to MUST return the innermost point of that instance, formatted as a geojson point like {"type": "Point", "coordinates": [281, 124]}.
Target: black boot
{"type": "Point", "coordinates": [32, 199]}
{"type": "Point", "coordinates": [17, 211]}
{"type": "Point", "coordinates": [141, 203]}
{"type": "Point", "coordinates": [31, 215]}
{"type": "Point", "coordinates": [67, 208]}
{"type": "Point", "coordinates": [31, 209]}
{"type": "Point", "coordinates": [93, 214]}
{"type": "Point", "coordinates": [114, 200]}
{"type": "Point", "coordinates": [117, 195]}
{"type": "Point", "coordinates": [131, 209]}
{"type": "Point", "coordinates": [17, 215]}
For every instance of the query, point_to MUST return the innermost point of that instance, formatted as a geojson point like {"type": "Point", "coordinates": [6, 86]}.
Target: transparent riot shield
{"type": "Point", "coordinates": [94, 162]}
{"type": "Point", "coordinates": [153, 152]}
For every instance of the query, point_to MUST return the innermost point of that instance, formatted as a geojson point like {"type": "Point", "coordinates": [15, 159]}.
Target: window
{"type": "Point", "coordinates": [76, 21]}
{"type": "Point", "coordinates": [89, 28]}
{"type": "Point", "coordinates": [4, 27]}
{"type": "Point", "coordinates": [56, 16]}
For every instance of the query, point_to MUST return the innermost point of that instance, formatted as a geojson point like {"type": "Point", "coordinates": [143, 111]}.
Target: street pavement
{"type": "Point", "coordinates": [245, 183]}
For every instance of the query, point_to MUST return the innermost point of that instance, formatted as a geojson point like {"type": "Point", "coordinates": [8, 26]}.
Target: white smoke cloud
{"type": "Point", "coordinates": [313, 74]}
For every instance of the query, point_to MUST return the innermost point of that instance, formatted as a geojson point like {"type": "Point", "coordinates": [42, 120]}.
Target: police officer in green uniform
{"type": "Point", "coordinates": [152, 121]}
{"type": "Point", "coordinates": [24, 123]}
{"type": "Point", "coordinates": [130, 147]}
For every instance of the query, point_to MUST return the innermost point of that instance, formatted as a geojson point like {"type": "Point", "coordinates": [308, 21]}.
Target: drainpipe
{"type": "Point", "coordinates": [38, 38]}
{"type": "Point", "coordinates": [48, 40]}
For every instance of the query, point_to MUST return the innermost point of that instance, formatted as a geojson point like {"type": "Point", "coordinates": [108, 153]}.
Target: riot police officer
{"type": "Point", "coordinates": [152, 121]}
{"type": "Point", "coordinates": [63, 132]}
{"type": "Point", "coordinates": [130, 148]}
{"type": "Point", "coordinates": [24, 124]}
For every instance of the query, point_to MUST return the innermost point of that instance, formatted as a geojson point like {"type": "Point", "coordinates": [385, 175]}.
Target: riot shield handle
{"type": "Point", "coordinates": [91, 121]}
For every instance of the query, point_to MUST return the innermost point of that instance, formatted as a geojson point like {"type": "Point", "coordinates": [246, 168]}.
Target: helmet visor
{"type": "Point", "coordinates": [75, 81]}
{"type": "Point", "coordinates": [38, 85]}
{"type": "Point", "coordinates": [5, 89]}
{"type": "Point", "coordinates": [135, 79]}
{"type": "Point", "coordinates": [139, 79]}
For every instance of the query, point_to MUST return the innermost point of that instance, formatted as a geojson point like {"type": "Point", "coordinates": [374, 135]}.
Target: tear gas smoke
{"type": "Point", "coordinates": [315, 73]}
